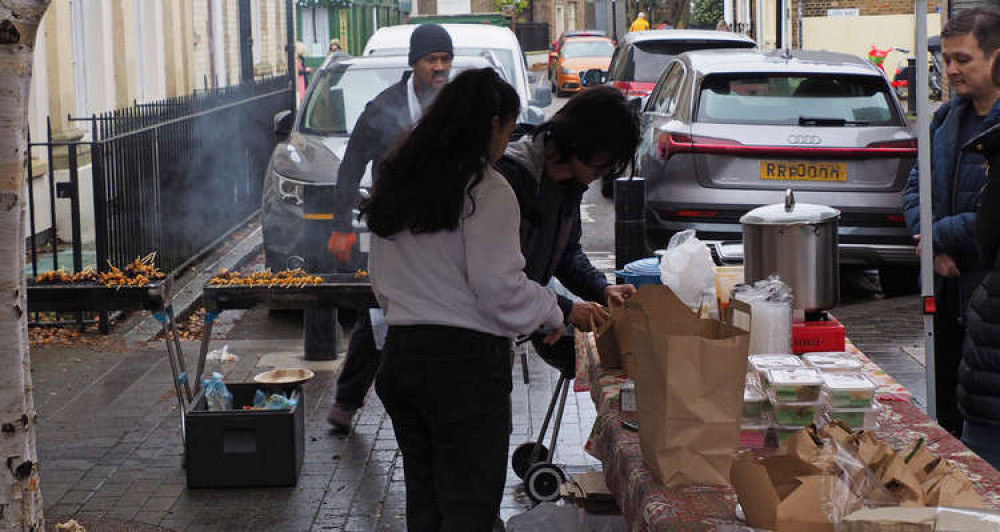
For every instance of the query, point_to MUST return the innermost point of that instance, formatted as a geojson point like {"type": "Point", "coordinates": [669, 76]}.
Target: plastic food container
{"type": "Point", "coordinates": [798, 385]}
{"type": "Point", "coordinates": [849, 390]}
{"type": "Point", "coordinates": [855, 418]}
{"type": "Point", "coordinates": [796, 414]}
{"type": "Point", "coordinates": [833, 362]}
{"type": "Point", "coordinates": [760, 364]}
{"type": "Point", "coordinates": [754, 402]}
{"type": "Point", "coordinates": [755, 436]}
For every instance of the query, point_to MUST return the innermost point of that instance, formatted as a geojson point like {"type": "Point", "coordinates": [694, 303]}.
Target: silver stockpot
{"type": "Point", "coordinates": [797, 242]}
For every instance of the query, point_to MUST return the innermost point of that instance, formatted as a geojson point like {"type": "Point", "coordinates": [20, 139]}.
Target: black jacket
{"type": "Point", "coordinates": [385, 119]}
{"type": "Point", "coordinates": [551, 227]}
{"type": "Point", "coordinates": [979, 372]}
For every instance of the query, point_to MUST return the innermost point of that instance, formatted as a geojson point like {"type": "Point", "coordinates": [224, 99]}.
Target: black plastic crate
{"type": "Point", "coordinates": [244, 448]}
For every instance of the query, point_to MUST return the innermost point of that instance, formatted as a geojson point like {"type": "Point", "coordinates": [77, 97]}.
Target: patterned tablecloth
{"type": "Point", "coordinates": [648, 505]}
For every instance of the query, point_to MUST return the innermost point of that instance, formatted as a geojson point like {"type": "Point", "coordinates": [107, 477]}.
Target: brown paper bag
{"type": "Point", "coordinates": [689, 377]}
{"type": "Point", "coordinates": [612, 341]}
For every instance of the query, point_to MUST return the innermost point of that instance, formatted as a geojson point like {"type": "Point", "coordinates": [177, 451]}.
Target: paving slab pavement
{"type": "Point", "coordinates": [110, 448]}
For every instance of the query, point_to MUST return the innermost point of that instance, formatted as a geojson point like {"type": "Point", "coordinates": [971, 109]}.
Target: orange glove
{"type": "Point", "coordinates": [340, 245]}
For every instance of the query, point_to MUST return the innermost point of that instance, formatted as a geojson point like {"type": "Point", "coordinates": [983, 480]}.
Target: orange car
{"type": "Point", "coordinates": [576, 55]}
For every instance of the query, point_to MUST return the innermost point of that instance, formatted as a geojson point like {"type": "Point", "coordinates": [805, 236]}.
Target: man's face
{"type": "Point", "coordinates": [586, 171]}
{"type": "Point", "coordinates": [966, 65]}
{"type": "Point", "coordinates": [431, 71]}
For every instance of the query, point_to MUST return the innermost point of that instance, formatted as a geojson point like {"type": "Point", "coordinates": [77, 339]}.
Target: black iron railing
{"type": "Point", "coordinates": [173, 176]}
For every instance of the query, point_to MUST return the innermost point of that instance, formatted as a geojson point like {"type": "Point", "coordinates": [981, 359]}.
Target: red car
{"type": "Point", "coordinates": [641, 56]}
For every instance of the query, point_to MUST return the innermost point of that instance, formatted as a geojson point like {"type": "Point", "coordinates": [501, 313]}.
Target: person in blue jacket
{"type": "Point", "coordinates": [968, 42]}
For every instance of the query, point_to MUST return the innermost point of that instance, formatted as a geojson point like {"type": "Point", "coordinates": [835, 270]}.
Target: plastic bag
{"type": "Point", "coordinates": [221, 355]}
{"type": "Point", "coordinates": [688, 270]}
{"type": "Point", "coordinates": [379, 327]}
{"type": "Point", "coordinates": [771, 304]}
{"type": "Point", "coordinates": [217, 394]}
{"type": "Point", "coordinates": [274, 401]}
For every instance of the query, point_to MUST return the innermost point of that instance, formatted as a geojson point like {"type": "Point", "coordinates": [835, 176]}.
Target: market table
{"type": "Point", "coordinates": [648, 505]}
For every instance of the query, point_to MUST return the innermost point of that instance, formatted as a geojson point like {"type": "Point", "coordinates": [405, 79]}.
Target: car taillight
{"type": "Point", "coordinates": [671, 143]}
{"type": "Point", "coordinates": [901, 147]}
{"type": "Point", "coordinates": [633, 89]}
{"type": "Point", "coordinates": [895, 218]}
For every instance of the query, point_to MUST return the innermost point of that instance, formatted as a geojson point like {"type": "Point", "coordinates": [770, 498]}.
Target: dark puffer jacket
{"type": "Point", "coordinates": [979, 372]}
{"type": "Point", "coordinates": [956, 182]}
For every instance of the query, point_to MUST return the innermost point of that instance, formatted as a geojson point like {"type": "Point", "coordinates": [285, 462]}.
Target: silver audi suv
{"type": "Point", "coordinates": [726, 131]}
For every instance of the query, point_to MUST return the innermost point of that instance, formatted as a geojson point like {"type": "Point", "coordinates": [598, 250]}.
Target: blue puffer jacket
{"type": "Point", "coordinates": [955, 193]}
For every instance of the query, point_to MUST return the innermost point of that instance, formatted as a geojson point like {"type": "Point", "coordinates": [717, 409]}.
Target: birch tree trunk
{"type": "Point", "coordinates": [20, 498]}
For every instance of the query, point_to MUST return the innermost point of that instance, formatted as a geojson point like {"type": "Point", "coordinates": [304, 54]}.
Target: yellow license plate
{"type": "Point", "coordinates": [801, 171]}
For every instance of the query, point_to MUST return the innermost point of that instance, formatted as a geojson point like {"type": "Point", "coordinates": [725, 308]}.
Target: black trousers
{"type": "Point", "coordinates": [949, 333]}
{"type": "Point", "coordinates": [360, 365]}
{"type": "Point", "coordinates": [447, 391]}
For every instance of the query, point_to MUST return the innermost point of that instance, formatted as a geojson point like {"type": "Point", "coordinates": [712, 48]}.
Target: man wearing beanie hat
{"type": "Point", "coordinates": [385, 119]}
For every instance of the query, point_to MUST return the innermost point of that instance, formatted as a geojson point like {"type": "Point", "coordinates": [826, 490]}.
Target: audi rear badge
{"type": "Point", "coordinates": [804, 139]}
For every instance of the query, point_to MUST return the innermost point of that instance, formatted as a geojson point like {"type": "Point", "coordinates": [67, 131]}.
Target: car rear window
{"type": "Point", "coordinates": [796, 99]}
{"type": "Point", "coordinates": [594, 48]}
{"type": "Point", "coordinates": [651, 57]}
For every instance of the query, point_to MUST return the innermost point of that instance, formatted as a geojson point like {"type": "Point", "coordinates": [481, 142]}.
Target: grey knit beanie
{"type": "Point", "coordinates": [427, 39]}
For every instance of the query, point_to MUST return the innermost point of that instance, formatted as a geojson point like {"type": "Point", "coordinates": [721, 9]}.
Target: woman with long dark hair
{"type": "Point", "coordinates": [446, 267]}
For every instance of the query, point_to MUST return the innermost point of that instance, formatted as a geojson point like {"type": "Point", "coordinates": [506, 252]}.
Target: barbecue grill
{"type": "Point", "coordinates": [339, 290]}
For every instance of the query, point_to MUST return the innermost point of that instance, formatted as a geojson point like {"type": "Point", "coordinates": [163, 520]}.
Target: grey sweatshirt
{"type": "Point", "coordinates": [471, 278]}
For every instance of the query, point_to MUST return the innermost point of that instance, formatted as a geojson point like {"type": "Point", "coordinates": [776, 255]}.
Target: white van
{"type": "Point", "coordinates": [498, 44]}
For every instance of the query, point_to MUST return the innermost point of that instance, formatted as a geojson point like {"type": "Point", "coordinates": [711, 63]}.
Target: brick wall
{"type": "Point", "coordinates": [483, 6]}
{"type": "Point", "coordinates": [544, 11]}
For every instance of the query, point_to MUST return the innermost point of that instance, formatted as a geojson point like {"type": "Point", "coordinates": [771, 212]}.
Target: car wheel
{"type": "Point", "coordinates": [899, 280]}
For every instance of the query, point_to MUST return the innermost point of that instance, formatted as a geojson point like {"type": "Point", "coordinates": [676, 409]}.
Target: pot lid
{"type": "Point", "coordinates": [789, 212]}
{"type": "Point", "coordinates": [648, 266]}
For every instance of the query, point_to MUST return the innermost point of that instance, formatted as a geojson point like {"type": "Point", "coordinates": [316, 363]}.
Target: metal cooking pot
{"type": "Point", "coordinates": [798, 242]}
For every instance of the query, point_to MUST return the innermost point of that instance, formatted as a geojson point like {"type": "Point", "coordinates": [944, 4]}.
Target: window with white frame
{"type": "Point", "coordinates": [138, 10]}
{"type": "Point", "coordinates": [78, 26]}
{"type": "Point", "coordinates": [315, 30]}
{"type": "Point", "coordinates": [255, 33]}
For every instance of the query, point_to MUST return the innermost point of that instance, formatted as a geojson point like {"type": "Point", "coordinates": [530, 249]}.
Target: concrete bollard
{"type": "Point", "coordinates": [630, 220]}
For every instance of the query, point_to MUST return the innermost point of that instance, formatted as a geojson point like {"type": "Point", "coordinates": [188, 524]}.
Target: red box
{"type": "Point", "coordinates": [812, 336]}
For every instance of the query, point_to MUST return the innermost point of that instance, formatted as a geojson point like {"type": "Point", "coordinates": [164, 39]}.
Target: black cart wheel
{"type": "Point", "coordinates": [522, 462]}
{"type": "Point", "coordinates": [542, 482]}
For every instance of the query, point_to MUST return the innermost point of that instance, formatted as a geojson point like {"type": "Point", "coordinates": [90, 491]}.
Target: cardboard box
{"type": "Point", "coordinates": [782, 493]}
{"type": "Point", "coordinates": [589, 491]}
